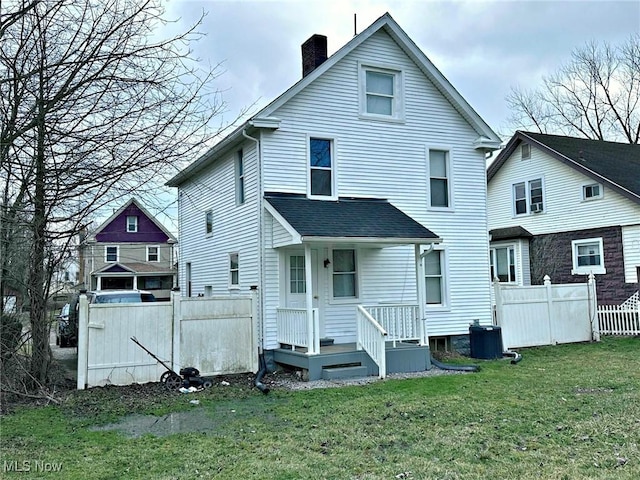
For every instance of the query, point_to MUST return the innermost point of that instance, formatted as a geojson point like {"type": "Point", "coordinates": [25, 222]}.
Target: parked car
{"type": "Point", "coordinates": [68, 326]}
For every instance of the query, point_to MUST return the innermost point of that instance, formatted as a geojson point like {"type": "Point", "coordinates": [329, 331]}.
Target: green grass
{"type": "Point", "coordinates": [564, 412]}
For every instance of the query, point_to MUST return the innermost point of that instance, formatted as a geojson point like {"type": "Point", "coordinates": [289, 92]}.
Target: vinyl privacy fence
{"type": "Point", "coordinates": [546, 314]}
{"type": "Point", "coordinates": [216, 335]}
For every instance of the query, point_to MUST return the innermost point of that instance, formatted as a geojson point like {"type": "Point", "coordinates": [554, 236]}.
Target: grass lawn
{"type": "Point", "coordinates": [564, 412]}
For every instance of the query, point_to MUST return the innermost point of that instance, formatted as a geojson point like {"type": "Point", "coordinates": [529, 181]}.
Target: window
{"type": "Point", "coordinates": [587, 256]}
{"type": "Point", "coordinates": [344, 274]}
{"type": "Point", "coordinates": [525, 150]}
{"type": "Point", "coordinates": [187, 275]}
{"type": "Point", "coordinates": [320, 167]}
{"type": "Point", "coordinates": [503, 264]}
{"type": "Point", "coordinates": [234, 271]}
{"type": "Point", "coordinates": [239, 178]}
{"type": "Point", "coordinates": [111, 254]}
{"type": "Point", "coordinates": [439, 178]}
{"type": "Point", "coordinates": [153, 254]}
{"type": "Point", "coordinates": [297, 281]}
{"type": "Point", "coordinates": [528, 197]}
{"type": "Point", "coordinates": [208, 222]}
{"type": "Point", "coordinates": [381, 95]}
{"type": "Point", "coordinates": [591, 192]}
{"type": "Point", "coordinates": [132, 224]}
{"type": "Point", "coordinates": [434, 278]}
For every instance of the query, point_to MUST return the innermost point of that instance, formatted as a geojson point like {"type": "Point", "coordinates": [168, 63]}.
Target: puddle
{"type": "Point", "coordinates": [170, 424]}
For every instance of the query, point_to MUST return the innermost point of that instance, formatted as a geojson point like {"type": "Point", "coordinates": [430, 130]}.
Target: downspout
{"type": "Point", "coordinates": [262, 364]}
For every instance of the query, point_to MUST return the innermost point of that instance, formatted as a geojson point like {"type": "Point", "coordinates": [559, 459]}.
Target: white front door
{"type": "Point", "coordinates": [296, 286]}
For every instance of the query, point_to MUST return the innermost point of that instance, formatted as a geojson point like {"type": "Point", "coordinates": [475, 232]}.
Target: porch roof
{"type": "Point", "coordinates": [133, 268]}
{"type": "Point", "coordinates": [346, 220]}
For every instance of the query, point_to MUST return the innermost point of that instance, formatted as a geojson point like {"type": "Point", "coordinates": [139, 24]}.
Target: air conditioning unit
{"type": "Point", "coordinates": [536, 207]}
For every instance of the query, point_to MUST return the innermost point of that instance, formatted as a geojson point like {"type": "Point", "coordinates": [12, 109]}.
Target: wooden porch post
{"type": "Point", "coordinates": [309, 299]}
{"type": "Point", "coordinates": [422, 295]}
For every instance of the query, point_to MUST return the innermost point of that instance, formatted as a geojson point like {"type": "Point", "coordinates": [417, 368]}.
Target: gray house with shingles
{"type": "Point", "coordinates": [566, 207]}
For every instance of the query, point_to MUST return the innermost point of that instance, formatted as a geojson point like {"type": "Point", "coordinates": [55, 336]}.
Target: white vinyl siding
{"type": "Point", "coordinates": [631, 249]}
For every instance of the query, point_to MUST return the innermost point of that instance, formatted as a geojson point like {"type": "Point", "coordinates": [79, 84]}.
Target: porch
{"type": "Point", "coordinates": [389, 339]}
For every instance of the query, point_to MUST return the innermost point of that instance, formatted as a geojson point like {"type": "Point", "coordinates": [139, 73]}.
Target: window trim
{"type": "Point", "coordinates": [448, 165]}
{"type": "Point", "coordinates": [525, 153]}
{"type": "Point", "coordinates": [586, 270]}
{"type": "Point", "coordinates": [397, 104]}
{"type": "Point", "coordinates": [135, 223]}
{"type": "Point", "coordinates": [527, 190]}
{"type": "Point", "coordinates": [444, 275]}
{"type": "Point", "coordinates": [234, 286]}
{"type": "Point", "coordinates": [595, 197]}
{"type": "Point", "coordinates": [157, 247]}
{"type": "Point", "coordinates": [106, 253]}
{"type": "Point", "coordinates": [334, 168]}
{"type": "Point", "coordinates": [208, 222]}
{"type": "Point", "coordinates": [492, 256]}
{"type": "Point", "coordinates": [333, 300]}
{"type": "Point", "coordinates": [240, 178]}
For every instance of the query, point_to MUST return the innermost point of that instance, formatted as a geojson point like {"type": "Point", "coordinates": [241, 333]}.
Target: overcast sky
{"type": "Point", "coordinates": [483, 47]}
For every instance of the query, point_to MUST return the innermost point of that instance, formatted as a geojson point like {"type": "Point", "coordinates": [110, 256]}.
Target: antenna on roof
{"type": "Point", "coordinates": [355, 24]}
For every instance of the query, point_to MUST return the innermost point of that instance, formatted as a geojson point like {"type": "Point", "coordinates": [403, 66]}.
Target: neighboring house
{"type": "Point", "coordinates": [566, 207]}
{"type": "Point", "coordinates": [367, 174]}
{"type": "Point", "coordinates": [130, 250]}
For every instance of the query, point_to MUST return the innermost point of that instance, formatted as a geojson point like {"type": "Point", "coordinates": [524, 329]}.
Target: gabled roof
{"type": "Point", "coordinates": [138, 205]}
{"type": "Point", "coordinates": [347, 220]}
{"type": "Point", "coordinates": [487, 138]}
{"type": "Point", "coordinates": [616, 165]}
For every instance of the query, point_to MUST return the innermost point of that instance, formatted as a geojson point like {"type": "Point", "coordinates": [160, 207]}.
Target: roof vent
{"type": "Point", "coordinates": [314, 53]}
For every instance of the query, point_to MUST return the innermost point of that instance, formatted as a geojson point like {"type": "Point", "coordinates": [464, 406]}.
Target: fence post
{"type": "Point", "coordinates": [176, 328]}
{"type": "Point", "coordinates": [498, 299]}
{"type": "Point", "coordinates": [550, 316]}
{"type": "Point", "coordinates": [83, 342]}
{"type": "Point", "coordinates": [593, 308]}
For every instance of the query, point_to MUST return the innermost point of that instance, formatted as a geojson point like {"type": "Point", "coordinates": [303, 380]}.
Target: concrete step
{"type": "Point", "coordinates": [336, 373]}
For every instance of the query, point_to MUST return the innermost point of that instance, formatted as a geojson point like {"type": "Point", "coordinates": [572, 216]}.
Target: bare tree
{"type": "Point", "coordinates": [595, 95]}
{"type": "Point", "coordinates": [94, 103]}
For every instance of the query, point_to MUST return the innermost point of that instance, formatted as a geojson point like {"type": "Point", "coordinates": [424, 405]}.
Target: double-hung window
{"type": "Point", "coordinates": [208, 222]}
{"type": "Point", "coordinates": [153, 254]}
{"type": "Point", "coordinates": [132, 224]}
{"type": "Point", "coordinates": [239, 178]}
{"type": "Point", "coordinates": [588, 256]}
{"type": "Point", "coordinates": [234, 270]}
{"type": "Point", "coordinates": [345, 281]}
{"type": "Point", "coordinates": [381, 94]}
{"type": "Point", "coordinates": [434, 272]}
{"type": "Point", "coordinates": [321, 167]}
{"type": "Point", "coordinates": [439, 184]}
{"type": "Point", "coordinates": [503, 263]}
{"type": "Point", "coordinates": [528, 197]}
{"type": "Point", "coordinates": [111, 254]}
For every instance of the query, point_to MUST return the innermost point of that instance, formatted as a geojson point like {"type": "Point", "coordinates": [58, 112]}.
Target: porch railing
{"type": "Point", "coordinates": [296, 329]}
{"type": "Point", "coordinates": [371, 338]}
{"type": "Point", "coordinates": [401, 322]}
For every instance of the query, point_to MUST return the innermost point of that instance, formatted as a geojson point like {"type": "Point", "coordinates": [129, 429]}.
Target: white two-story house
{"type": "Point", "coordinates": [354, 204]}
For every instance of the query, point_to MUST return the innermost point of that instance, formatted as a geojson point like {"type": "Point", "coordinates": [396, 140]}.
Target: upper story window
{"type": "Point", "coordinates": [153, 254]}
{"type": "Point", "coordinates": [111, 254]}
{"type": "Point", "coordinates": [528, 197]}
{"type": "Point", "coordinates": [588, 256]}
{"type": "Point", "coordinates": [439, 178]}
{"type": "Point", "coordinates": [234, 270]}
{"type": "Point", "coordinates": [525, 150]}
{"type": "Point", "coordinates": [239, 178]}
{"type": "Point", "coordinates": [503, 263]}
{"type": "Point", "coordinates": [132, 224]}
{"type": "Point", "coordinates": [592, 191]}
{"type": "Point", "coordinates": [208, 222]}
{"type": "Point", "coordinates": [381, 93]}
{"type": "Point", "coordinates": [321, 168]}
{"type": "Point", "coordinates": [345, 281]}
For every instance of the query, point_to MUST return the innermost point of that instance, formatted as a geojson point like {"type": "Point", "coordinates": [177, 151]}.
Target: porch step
{"type": "Point", "coordinates": [335, 373]}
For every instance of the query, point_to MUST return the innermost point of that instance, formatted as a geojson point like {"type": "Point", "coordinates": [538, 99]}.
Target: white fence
{"type": "Point", "coordinates": [215, 335]}
{"type": "Point", "coordinates": [621, 319]}
{"type": "Point", "coordinates": [546, 314]}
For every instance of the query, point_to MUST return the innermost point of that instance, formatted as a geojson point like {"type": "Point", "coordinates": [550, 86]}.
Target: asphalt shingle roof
{"type": "Point", "coordinates": [347, 217]}
{"type": "Point", "coordinates": [509, 232]}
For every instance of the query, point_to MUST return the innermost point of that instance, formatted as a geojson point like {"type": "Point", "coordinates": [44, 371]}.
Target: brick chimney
{"type": "Point", "coordinates": [314, 53]}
